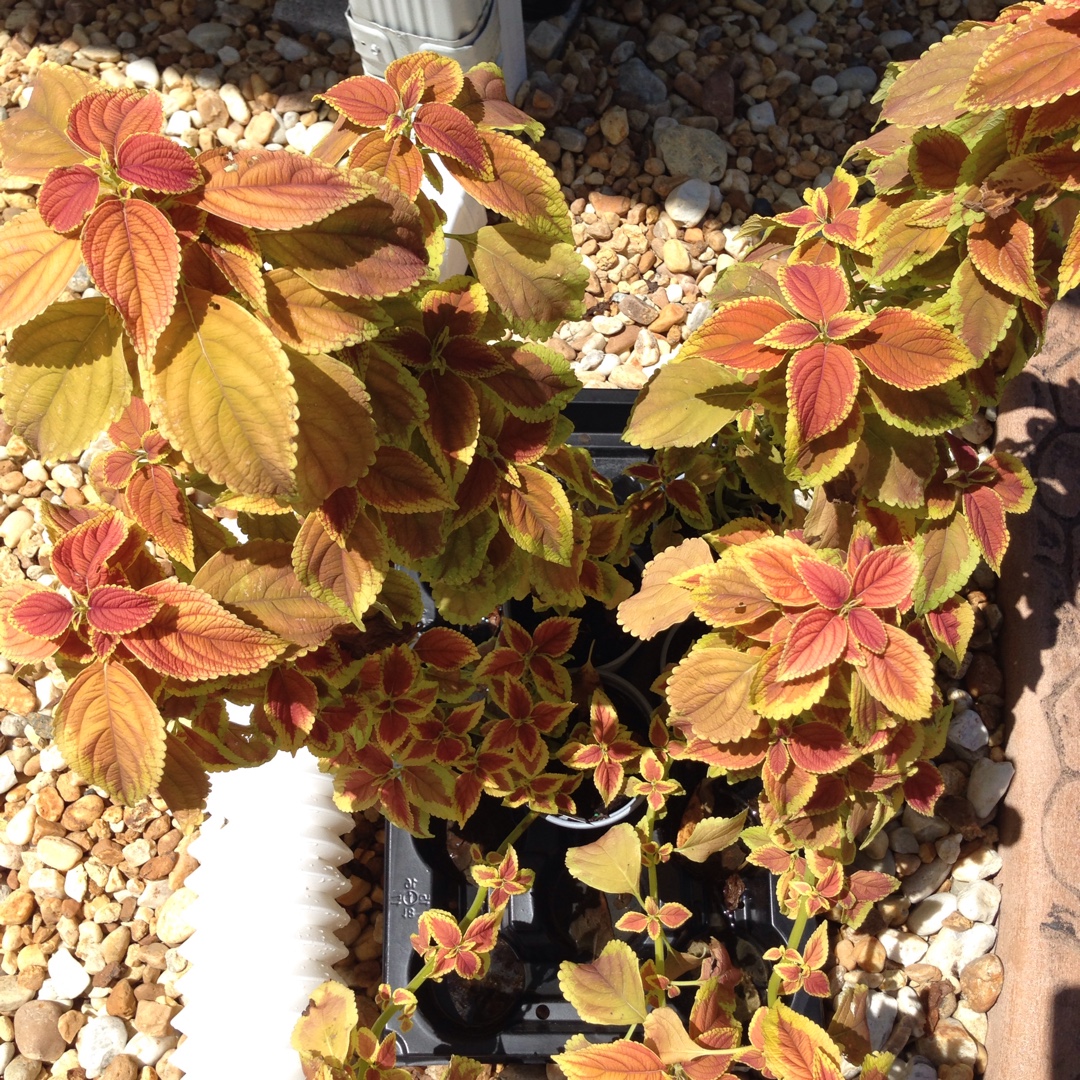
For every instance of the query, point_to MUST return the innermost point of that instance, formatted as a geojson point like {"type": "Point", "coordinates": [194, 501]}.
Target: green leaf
{"type": "Point", "coordinates": [537, 282]}
{"type": "Point", "coordinates": [607, 991]}
{"type": "Point", "coordinates": [325, 1027]}
{"type": "Point", "coordinates": [66, 379]}
{"type": "Point", "coordinates": [220, 387]}
{"type": "Point", "coordinates": [686, 403]}
{"type": "Point", "coordinates": [709, 835]}
{"type": "Point", "coordinates": [948, 556]}
{"type": "Point", "coordinates": [611, 864]}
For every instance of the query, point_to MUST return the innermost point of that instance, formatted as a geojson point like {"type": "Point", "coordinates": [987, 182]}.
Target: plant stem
{"type": "Point", "coordinates": [793, 943]}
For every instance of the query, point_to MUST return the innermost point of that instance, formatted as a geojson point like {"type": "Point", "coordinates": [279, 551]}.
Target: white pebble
{"type": "Point", "coordinates": [824, 86]}
{"type": "Point", "coordinates": [979, 902]}
{"type": "Point", "coordinates": [144, 73]}
{"type": "Point", "coordinates": [7, 775]}
{"type": "Point", "coordinates": [881, 1011]}
{"type": "Point", "coordinates": [290, 49]}
{"type": "Point", "coordinates": [99, 1042]}
{"type": "Point", "coordinates": [234, 102]}
{"type": "Point", "coordinates": [21, 826]}
{"type": "Point", "coordinates": [761, 116]}
{"type": "Point", "coordinates": [69, 977]}
{"type": "Point", "coordinates": [902, 948]}
{"type": "Point", "coordinates": [981, 864]}
{"type": "Point", "coordinates": [987, 785]}
{"type": "Point", "coordinates": [179, 123]}
{"type": "Point", "coordinates": [927, 917]}
{"type": "Point", "coordinates": [148, 1049]}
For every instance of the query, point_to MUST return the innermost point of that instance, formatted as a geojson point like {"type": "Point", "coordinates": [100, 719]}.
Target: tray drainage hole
{"type": "Point", "coordinates": [542, 1012]}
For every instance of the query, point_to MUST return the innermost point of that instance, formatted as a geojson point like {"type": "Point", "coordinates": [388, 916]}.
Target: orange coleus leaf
{"type": "Point", "coordinates": [817, 639]}
{"type": "Point", "coordinates": [291, 705]}
{"type": "Point", "coordinates": [661, 603]}
{"type": "Point", "coordinates": [981, 311]}
{"type": "Point", "coordinates": [985, 516]}
{"type": "Point", "coordinates": [449, 132]}
{"type": "Point", "coordinates": [1032, 63]}
{"type": "Point", "coordinates": [820, 748]}
{"type": "Point", "coordinates": [41, 613]}
{"type": "Point", "coordinates": [398, 160]}
{"type": "Point", "coordinates": [193, 637]}
{"type": "Point", "coordinates": [264, 190]}
{"type": "Point", "coordinates": [901, 677]}
{"type": "Point", "coordinates": [108, 727]}
{"type": "Point", "coordinates": [618, 1060]}
{"type": "Point", "coordinates": [366, 101]}
{"type": "Point", "coordinates": [162, 509]}
{"type": "Point", "coordinates": [503, 880]}
{"type": "Point", "coordinates": [770, 563]}
{"type": "Point", "coordinates": [115, 609]}
{"type": "Point", "coordinates": [35, 266]}
{"type": "Point", "coordinates": [67, 196]}
{"type": "Point", "coordinates": [156, 163]}
{"type": "Point", "coordinates": [133, 255]}
{"type": "Point", "coordinates": [445, 649]}
{"type": "Point", "coordinates": [935, 158]}
{"type": "Point", "coordinates": [79, 557]}
{"type": "Point", "coordinates": [793, 1044]}
{"type": "Point", "coordinates": [910, 350]}
{"type": "Point", "coordinates": [822, 381]}
{"type": "Point", "coordinates": [100, 122]}
{"type": "Point", "coordinates": [816, 292]}
{"type": "Point", "coordinates": [521, 186]}
{"type": "Point", "coordinates": [730, 335]}
{"type": "Point", "coordinates": [885, 578]}
{"type": "Point", "coordinates": [830, 585]}
{"type": "Point", "coordinates": [1012, 483]}
{"type": "Point", "coordinates": [778, 699]}
{"type": "Point", "coordinates": [1002, 249]}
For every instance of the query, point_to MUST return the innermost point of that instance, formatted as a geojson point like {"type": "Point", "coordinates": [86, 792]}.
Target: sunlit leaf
{"type": "Point", "coordinates": [109, 729]}
{"type": "Point", "coordinates": [611, 864]}
{"type": "Point", "coordinates": [325, 1027]}
{"type": "Point", "coordinates": [537, 514]}
{"type": "Point", "coordinates": [709, 835]}
{"type": "Point", "coordinates": [35, 265]}
{"type": "Point", "coordinates": [659, 604]}
{"type": "Point", "coordinates": [66, 378]}
{"type": "Point", "coordinates": [607, 991]}
{"type": "Point", "coordinates": [222, 393]}
{"type": "Point", "coordinates": [711, 688]}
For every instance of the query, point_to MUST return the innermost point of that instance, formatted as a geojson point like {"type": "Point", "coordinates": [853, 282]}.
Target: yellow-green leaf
{"type": "Point", "coordinates": [660, 603]}
{"type": "Point", "coordinates": [792, 1042]}
{"type": "Point", "coordinates": [686, 403]}
{"type": "Point", "coordinates": [537, 514]}
{"type": "Point", "coordinates": [33, 140]}
{"type": "Point", "coordinates": [607, 991]}
{"type": "Point", "coordinates": [35, 265]}
{"type": "Point", "coordinates": [611, 864]}
{"type": "Point", "coordinates": [256, 581]}
{"type": "Point", "coordinates": [66, 379]}
{"type": "Point", "coordinates": [537, 282]}
{"type": "Point", "coordinates": [325, 1027]}
{"type": "Point", "coordinates": [110, 731]}
{"type": "Point", "coordinates": [222, 393]}
{"type": "Point", "coordinates": [711, 688]}
{"type": "Point", "coordinates": [335, 442]}
{"type": "Point", "coordinates": [711, 834]}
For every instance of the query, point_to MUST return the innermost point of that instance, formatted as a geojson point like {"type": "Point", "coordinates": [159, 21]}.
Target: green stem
{"type": "Point", "coordinates": [654, 888]}
{"type": "Point", "coordinates": [793, 943]}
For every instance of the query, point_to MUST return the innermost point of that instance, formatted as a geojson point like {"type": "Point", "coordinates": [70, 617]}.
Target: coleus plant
{"type": "Point", "coordinates": [387, 422]}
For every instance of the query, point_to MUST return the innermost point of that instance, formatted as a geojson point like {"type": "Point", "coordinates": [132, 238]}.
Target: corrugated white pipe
{"type": "Point", "coordinates": [265, 918]}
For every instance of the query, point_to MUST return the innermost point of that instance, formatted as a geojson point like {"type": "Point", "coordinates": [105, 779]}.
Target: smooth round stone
{"type": "Point", "coordinates": [688, 203]}
{"type": "Point", "coordinates": [144, 73]}
{"type": "Point", "coordinates": [36, 1032]}
{"type": "Point", "coordinates": [967, 731]}
{"type": "Point", "coordinates": [608, 325]}
{"type": "Point", "coordinates": [892, 39]}
{"type": "Point", "coordinates": [569, 138]}
{"type": "Point", "coordinates": [802, 23]}
{"type": "Point", "coordinates": [979, 902]}
{"type": "Point", "coordinates": [988, 783]}
{"type": "Point", "coordinates": [70, 979]}
{"type": "Point", "coordinates": [8, 776]}
{"type": "Point", "coordinates": [693, 152]}
{"type": "Point", "coordinates": [763, 44]}
{"type": "Point", "coordinates": [859, 77]}
{"type": "Point", "coordinates": [881, 1012]}
{"type": "Point", "coordinates": [761, 116]}
{"type": "Point", "coordinates": [981, 864]}
{"type": "Point", "coordinates": [927, 917]}
{"type": "Point", "coordinates": [290, 49]}
{"type": "Point", "coordinates": [209, 37]}
{"type": "Point", "coordinates": [824, 86]}
{"type": "Point", "coordinates": [902, 948]}
{"type": "Point", "coordinates": [99, 1042]}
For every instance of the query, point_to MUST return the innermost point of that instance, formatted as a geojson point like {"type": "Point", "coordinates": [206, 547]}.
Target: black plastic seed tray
{"type": "Point", "coordinates": [516, 1012]}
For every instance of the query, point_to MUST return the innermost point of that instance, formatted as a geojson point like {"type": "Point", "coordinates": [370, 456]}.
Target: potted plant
{"type": "Point", "coordinates": [808, 501]}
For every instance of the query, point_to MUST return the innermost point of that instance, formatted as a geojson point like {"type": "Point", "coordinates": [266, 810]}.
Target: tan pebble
{"type": "Point", "coordinates": [115, 945]}
{"type": "Point", "coordinates": [14, 696]}
{"type": "Point", "coordinates": [676, 256]}
{"type": "Point", "coordinates": [33, 978]}
{"type": "Point", "coordinates": [31, 956]}
{"type": "Point", "coordinates": [173, 923]}
{"type": "Point", "coordinates": [845, 954]}
{"type": "Point", "coordinates": [956, 1072]}
{"type": "Point", "coordinates": [922, 973]}
{"type": "Point", "coordinates": [950, 1044]}
{"type": "Point", "coordinates": [70, 1024]}
{"type": "Point", "coordinates": [184, 866]}
{"type": "Point", "coordinates": [980, 982]}
{"type": "Point", "coordinates": [154, 1018]}
{"type": "Point", "coordinates": [59, 852]}
{"type": "Point", "coordinates": [18, 908]}
{"type": "Point", "coordinates": [123, 1067]}
{"type": "Point", "coordinates": [670, 315]}
{"type": "Point", "coordinates": [870, 954]}
{"type": "Point", "coordinates": [70, 786]}
{"type": "Point", "coordinates": [121, 1000]}
{"type": "Point", "coordinates": [49, 804]}
{"type": "Point", "coordinates": [83, 812]}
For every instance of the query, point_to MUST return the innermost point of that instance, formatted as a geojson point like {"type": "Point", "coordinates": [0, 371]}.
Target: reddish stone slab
{"type": "Point", "coordinates": [1035, 1026]}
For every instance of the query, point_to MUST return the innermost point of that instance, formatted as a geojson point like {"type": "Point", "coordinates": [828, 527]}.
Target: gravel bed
{"type": "Point", "coordinates": [668, 124]}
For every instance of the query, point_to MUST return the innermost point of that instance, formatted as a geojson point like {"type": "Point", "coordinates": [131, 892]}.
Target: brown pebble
{"type": "Point", "coordinates": [49, 804]}
{"type": "Point", "coordinates": [121, 1067]}
{"type": "Point", "coordinates": [18, 908]}
{"type": "Point", "coordinates": [15, 697]}
{"type": "Point", "coordinates": [121, 1000]}
{"type": "Point", "coordinates": [980, 982]}
{"type": "Point", "coordinates": [984, 676]}
{"type": "Point", "coordinates": [609, 204]}
{"type": "Point", "coordinates": [154, 1018]}
{"type": "Point", "coordinates": [70, 1024]}
{"type": "Point", "coordinates": [670, 315]}
{"type": "Point", "coordinates": [83, 812]}
{"type": "Point", "coordinates": [870, 954]}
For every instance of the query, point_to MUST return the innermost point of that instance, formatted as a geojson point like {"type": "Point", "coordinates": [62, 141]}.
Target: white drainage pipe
{"type": "Point", "coordinates": [265, 918]}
